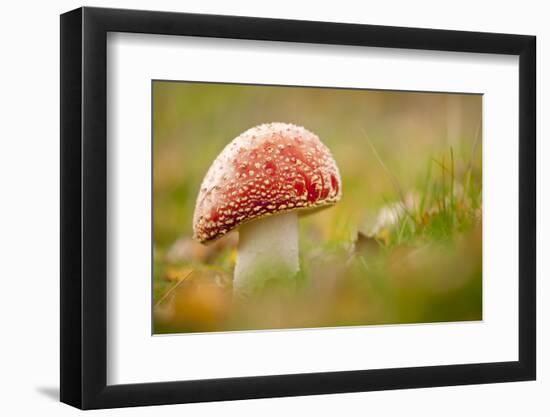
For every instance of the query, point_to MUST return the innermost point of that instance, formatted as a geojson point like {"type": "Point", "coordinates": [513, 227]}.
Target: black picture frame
{"type": "Point", "coordinates": [84, 207]}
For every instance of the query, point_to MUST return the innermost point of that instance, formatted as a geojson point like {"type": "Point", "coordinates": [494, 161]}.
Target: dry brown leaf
{"type": "Point", "coordinates": [174, 274]}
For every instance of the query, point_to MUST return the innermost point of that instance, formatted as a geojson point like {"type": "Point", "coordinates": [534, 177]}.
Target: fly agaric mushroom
{"type": "Point", "coordinates": [259, 183]}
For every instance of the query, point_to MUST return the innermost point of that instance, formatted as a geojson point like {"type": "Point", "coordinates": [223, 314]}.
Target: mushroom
{"type": "Point", "coordinates": [260, 183]}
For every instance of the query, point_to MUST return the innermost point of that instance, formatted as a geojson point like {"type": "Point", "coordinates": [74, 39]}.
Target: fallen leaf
{"type": "Point", "coordinates": [174, 274]}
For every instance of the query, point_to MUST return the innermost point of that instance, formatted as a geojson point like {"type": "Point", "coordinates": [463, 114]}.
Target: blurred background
{"type": "Point", "coordinates": [402, 246]}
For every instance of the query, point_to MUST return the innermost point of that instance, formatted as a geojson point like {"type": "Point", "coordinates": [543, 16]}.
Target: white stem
{"type": "Point", "coordinates": [268, 250]}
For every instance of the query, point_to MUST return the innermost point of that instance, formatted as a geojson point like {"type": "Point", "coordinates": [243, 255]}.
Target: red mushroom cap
{"type": "Point", "coordinates": [269, 169]}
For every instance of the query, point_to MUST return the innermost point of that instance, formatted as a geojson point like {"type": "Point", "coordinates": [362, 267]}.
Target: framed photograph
{"type": "Point", "coordinates": [258, 208]}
